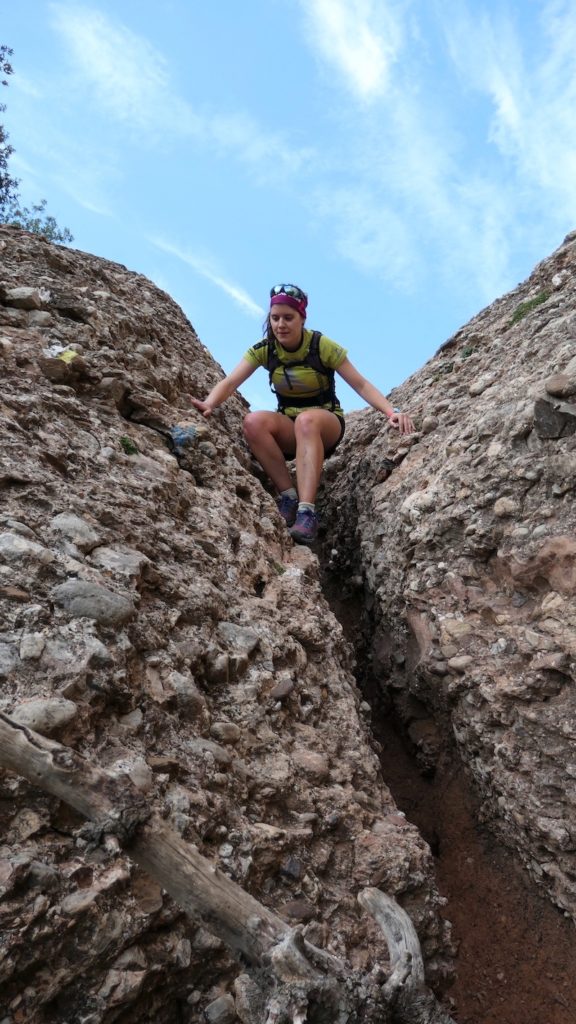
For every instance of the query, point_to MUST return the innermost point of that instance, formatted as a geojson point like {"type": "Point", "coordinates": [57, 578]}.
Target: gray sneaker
{"type": "Point", "coordinates": [288, 508]}
{"type": "Point", "coordinates": [305, 528]}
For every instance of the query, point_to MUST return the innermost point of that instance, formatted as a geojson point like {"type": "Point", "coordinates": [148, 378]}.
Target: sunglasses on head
{"type": "Point", "coordinates": [289, 289]}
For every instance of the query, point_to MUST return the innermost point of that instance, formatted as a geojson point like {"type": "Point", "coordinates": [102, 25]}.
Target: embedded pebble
{"type": "Point", "coordinates": [14, 547]}
{"type": "Point", "coordinates": [45, 715]}
{"type": "Point", "coordinates": [9, 659]}
{"type": "Point", "coordinates": [24, 298]}
{"type": "Point", "coordinates": [225, 732]}
{"type": "Point", "coordinates": [506, 507]}
{"type": "Point", "coordinates": [282, 689]}
{"type": "Point", "coordinates": [314, 765]}
{"type": "Point", "coordinates": [78, 902]}
{"type": "Point", "coordinates": [221, 1011]}
{"type": "Point", "coordinates": [90, 600]}
{"type": "Point", "coordinates": [81, 533]}
{"type": "Point", "coordinates": [31, 646]}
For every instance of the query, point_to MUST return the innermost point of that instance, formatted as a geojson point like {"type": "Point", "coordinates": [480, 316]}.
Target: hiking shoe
{"type": "Point", "coordinates": [305, 528]}
{"type": "Point", "coordinates": [288, 508]}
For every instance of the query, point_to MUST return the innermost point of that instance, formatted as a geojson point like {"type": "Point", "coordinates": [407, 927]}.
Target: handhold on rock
{"type": "Point", "coordinates": [68, 355]}
{"type": "Point", "coordinates": [282, 689]}
{"type": "Point", "coordinates": [553, 420]}
{"type": "Point", "coordinates": [66, 368]}
{"type": "Point", "coordinates": [181, 438]}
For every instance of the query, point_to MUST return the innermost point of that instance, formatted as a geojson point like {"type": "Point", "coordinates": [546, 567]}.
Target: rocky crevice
{"type": "Point", "coordinates": [157, 619]}
{"type": "Point", "coordinates": [515, 955]}
{"type": "Point", "coordinates": [450, 557]}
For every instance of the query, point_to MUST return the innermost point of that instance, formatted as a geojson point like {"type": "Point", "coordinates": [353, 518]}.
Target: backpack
{"type": "Point", "coordinates": [312, 359]}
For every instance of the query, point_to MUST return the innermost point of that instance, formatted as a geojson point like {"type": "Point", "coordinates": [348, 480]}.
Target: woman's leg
{"type": "Point", "coordinates": [271, 437]}
{"type": "Point", "coordinates": [317, 431]}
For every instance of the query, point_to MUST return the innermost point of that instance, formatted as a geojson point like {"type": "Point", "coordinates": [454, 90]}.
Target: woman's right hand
{"type": "Point", "coordinates": [204, 407]}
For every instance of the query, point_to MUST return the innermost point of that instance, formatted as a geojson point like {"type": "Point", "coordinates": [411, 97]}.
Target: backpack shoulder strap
{"type": "Point", "coordinates": [314, 358]}
{"type": "Point", "coordinates": [260, 344]}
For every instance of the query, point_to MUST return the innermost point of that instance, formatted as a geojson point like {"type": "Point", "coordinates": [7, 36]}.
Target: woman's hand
{"type": "Point", "coordinates": [204, 407]}
{"type": "Point", "coordinates": [402, 422]}
{"type": "Point", "coordinates": [224, 388]}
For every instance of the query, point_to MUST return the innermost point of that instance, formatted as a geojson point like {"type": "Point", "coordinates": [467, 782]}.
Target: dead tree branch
{"type": "Point", "coordinates": [290, 978]}
{"type": "Point", "coordinates": [406, 988]}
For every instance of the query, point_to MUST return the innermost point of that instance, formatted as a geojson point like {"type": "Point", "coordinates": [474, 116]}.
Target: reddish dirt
{"type": "Point", "coordinates": [517, 952]}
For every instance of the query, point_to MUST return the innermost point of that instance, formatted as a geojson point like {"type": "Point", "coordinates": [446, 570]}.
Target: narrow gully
{"type": "Point", "coordinates": [516, 952]}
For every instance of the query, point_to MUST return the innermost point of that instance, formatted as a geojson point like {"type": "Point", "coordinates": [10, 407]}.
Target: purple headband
{"type": "Point", "coordinates": [289, 300]}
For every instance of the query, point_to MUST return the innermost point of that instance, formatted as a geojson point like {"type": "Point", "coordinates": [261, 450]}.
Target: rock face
{"type": "Point", "coordinates": [459, 545]}
{"type": "Point", "coordinates": [156, 618]}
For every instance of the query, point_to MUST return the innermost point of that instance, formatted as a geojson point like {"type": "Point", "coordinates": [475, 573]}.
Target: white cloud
{"type": "Point", "coordinates": [84, 191]}
{"type": "Point", "coordinates": [369, 232]}
{"type": "Point", "coordinates": [202, 267]}
{"type": "Point", "coordinates": [77, 174]}
{"type": "Point", "coordinates": [25, 86]}
{"type": "Point", "coordinates": [129, 76]}
{"type": "Point", "coordinates": [270, 155]}
{"type": "Point", "coordinates": [131, 82]}
{"type": "Point", "coordinates": [532, 92]}
{"type": "Point", "coordinates": [421, 175]}
{"type": "Point", "coordinates": [360, 38]}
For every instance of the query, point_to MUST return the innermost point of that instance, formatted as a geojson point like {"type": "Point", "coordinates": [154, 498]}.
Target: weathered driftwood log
{"type": "Point", "coordinates": [406, 989]}
{"type": "Point", "coordinates": [292, 981]}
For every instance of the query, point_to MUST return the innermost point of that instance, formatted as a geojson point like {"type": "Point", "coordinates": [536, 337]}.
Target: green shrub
{"type": "Point", "coordinates": [526, 307]}
{"type": "Point", "coordinates": [128, 446]}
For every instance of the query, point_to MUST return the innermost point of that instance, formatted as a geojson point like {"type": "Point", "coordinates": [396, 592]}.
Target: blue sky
{"type": "Point", "coordinates": [404, 161]}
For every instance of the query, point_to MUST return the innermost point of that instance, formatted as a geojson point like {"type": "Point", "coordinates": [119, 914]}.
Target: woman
{"type": "Point", "coordinates": [309, 423]}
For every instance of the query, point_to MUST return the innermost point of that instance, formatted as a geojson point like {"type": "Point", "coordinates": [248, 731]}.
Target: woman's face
{"type": "Point", "coordinates": [286, 325]}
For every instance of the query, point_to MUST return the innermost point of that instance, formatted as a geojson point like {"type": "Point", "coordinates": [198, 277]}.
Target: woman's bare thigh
{"type": "Point", "coordinates": [274, 423]}
{"type": "Point", "coordinates": [322, 422]}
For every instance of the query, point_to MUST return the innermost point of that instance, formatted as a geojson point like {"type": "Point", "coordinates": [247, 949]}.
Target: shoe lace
{"type": "Point", "coordinates": [307, 517]}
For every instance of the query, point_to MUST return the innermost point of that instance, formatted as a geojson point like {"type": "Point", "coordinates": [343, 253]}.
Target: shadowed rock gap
{"type": "Point", "coordinates": [515, 950]}
{"type": "Point", "coordinates": [161, 623]}
{"type": "Point", "coordinates": [158, 621]}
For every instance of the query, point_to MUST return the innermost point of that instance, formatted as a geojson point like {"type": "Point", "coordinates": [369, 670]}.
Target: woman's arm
{"type": "Point", "coordinates": [375, 398]}
{"type": "Point", "coordinates": [224, 388]}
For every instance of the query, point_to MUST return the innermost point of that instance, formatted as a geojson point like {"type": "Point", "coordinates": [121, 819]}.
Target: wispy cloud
{"type": "Point", "coordinates": [407, 193]}
{"type": "Point", "coordinates": [82, 175]}
{"type": "Point", "coordinates": [360, 38]}
{"type": "Point", "coordinates": [421, 173]}
{"type": "Point", "coordinates": [203, 268]}
{"type": "Point", "coordinates": [129, 76]}
{"type": "Point", "coordinates": [532, 92]}
{"type": "Point", "coordinates": [254, 147]}
{"type": "Point", "coordinates": [131, 82]}
{"type": "Point", "coordinates": [25, 85]}
{"type": "Point", "coordinates": [368, 232]}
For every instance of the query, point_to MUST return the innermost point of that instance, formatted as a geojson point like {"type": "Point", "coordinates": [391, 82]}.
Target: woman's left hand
{"type": "Point", "coordinates": [401, 421]}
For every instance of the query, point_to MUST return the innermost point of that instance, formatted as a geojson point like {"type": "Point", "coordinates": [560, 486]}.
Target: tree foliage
{"type": "Point", "coordinates": [34, 219]}
{"type": "Point", "coordinates": [8, 184]}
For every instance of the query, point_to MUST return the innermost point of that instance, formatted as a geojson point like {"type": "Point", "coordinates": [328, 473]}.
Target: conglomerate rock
{"type": "Point", "coordinates": [156, 617]}
{"type": "Point", "coordinates": [459, 545]}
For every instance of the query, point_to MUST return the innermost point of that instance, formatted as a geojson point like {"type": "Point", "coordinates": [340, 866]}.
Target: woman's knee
{"type": "Point", "coordinates": [253, 425]}
{"type": "Point", "coordinates": [326, 428]}
{"type": "Point", "coordinates": [306, 425]}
